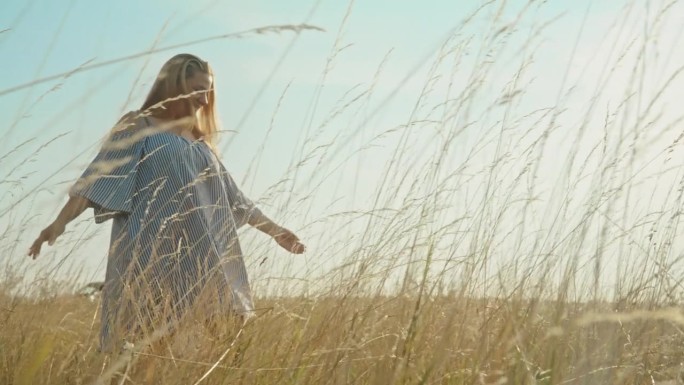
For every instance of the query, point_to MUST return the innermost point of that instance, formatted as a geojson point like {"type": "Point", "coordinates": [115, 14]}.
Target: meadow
{"type": "Point", "coordinates": [517, 223]}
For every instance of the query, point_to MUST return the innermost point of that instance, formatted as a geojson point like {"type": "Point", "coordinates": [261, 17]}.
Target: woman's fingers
{"type": "Point", "coordinates": [295, 248]}
{"type": "Point", "coordinates": [299, 248]}
{"type": "Point", "coordinates": [34, 250]}
{"type": "Point", "coordinates": [47, 235]}
{"type": "Point", "coordinates": [290, 242]}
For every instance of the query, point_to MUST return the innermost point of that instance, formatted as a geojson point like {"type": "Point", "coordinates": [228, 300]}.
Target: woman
{"type": "Point", "coordinates": [175, 211]}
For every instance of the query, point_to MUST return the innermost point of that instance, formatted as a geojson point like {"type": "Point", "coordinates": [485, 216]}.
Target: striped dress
{"type": "Point", "coordinates": [174, 245]}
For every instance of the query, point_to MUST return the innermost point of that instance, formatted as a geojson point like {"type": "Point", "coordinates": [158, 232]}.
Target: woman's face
{"type": "Point", "coordinates": [201, 84]}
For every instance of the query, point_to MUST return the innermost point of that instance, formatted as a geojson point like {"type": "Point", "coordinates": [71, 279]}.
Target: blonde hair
{"type": "Point", "coordinates": [170, 91]}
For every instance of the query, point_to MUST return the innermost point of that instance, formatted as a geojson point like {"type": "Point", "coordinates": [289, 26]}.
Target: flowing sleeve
{"type": "Point", "coordinates": [243, 208]}
{"type": "Point", "coordinates": [109, 180]}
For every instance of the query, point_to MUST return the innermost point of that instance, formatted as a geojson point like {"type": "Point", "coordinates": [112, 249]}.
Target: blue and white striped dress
{"type": "Point", "coordinates": [174, 245]}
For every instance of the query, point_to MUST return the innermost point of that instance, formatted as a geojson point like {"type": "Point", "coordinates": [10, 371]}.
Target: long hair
{"type": "Point", "coordinates": [169, 96]}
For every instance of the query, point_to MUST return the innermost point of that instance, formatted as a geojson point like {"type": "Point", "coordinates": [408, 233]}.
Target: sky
{"type": "Point", "coordinates": [284, 98]}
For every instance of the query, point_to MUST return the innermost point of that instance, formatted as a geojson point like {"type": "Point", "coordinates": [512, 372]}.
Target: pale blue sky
{"type": "Point", "coordinates": [48, 37]}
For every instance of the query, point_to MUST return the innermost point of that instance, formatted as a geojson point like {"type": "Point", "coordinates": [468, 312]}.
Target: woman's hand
{"type": "Point", "coordinates": [49, 235]}
{"type": "Point", "coordinates": [284, 237]}
{"type": "Point", "coordinates": [73, 208]}
{"type": "Point", "coordinates": [288, 241]}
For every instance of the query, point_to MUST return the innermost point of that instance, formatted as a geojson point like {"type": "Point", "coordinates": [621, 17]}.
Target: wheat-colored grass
{"type": "Point", "coordinates": [466, 264]}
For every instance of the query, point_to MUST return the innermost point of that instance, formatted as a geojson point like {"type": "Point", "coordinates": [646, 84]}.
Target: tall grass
{"type": "Point", "coordinates": [503, 234]}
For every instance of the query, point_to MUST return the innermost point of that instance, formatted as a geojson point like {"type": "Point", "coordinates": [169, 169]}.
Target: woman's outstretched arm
{"type": "Point", "coordinates": [284, 237]}
{"type": "Point", "coordinates": [72, 209]}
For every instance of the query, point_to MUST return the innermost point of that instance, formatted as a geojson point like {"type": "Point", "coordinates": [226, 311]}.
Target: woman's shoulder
{"type": "Point", "coordinates": [162, 139]}
{"type": "Point", "coordinates": [126, 132]}
{"type": "Point", "coordinates": [165, 147]}
{"type": "Point", "coordinates": [129, 122]}
{"type": "Point", "coordinates": [135, 126]}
